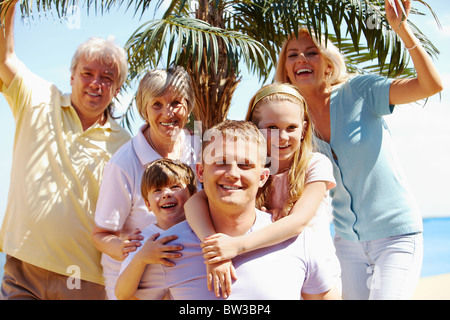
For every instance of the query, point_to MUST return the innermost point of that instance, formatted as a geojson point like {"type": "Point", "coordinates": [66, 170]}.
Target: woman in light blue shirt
{"type": "Point", "coordinates": [378, 225]}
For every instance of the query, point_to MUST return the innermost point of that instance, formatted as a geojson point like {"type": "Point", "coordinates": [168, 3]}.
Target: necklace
{"type": "Point", "coordinates": [152, 145]}
{"type": "Point", "coordinates": [150, 141]}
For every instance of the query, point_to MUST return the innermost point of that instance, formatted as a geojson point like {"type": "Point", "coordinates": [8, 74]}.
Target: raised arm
{"type": "Point", "coordinates": [8, 59]}
{"type": "Point", "coordinates": [428, 81]}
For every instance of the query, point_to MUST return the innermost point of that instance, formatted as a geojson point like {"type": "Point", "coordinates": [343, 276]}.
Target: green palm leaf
{"type": "Point", "coordinates": [212, 39]}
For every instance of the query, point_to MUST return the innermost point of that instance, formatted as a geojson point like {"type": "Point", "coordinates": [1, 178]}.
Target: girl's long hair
{"type": "Point", "coordinates": [301, 157]}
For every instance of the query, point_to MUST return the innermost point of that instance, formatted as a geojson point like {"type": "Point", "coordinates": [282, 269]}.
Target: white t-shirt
{"type": "Point", "coordinates": [120, 205]}
{"type": "Point", "coordinates": [319, 169]}
{"type": "Point", "coordinates": [278, 272]}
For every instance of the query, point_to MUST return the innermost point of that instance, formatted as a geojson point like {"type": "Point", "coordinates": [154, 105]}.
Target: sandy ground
{"type": "Point", "coordinates": [433, 288]}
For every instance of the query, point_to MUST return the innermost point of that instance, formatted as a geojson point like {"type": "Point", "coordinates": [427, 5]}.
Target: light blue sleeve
{"type": "Point", "coordinates": [374, 90]}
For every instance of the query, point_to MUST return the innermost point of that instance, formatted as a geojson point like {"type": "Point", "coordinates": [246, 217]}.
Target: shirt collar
{"type": "Point", "coordinates": [110, 124]}
{"type": "Point", "coordinates": [142, 149]}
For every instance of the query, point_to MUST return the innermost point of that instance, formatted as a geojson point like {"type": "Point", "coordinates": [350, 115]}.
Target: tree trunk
{"type": "Point", "coordinates": [213, 89]}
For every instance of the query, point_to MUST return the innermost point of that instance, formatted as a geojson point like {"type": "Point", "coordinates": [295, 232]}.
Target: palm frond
{"type": "Point", "coordinates": [361, 21]}
{"type": "Point", "coordinates": [178, 37]}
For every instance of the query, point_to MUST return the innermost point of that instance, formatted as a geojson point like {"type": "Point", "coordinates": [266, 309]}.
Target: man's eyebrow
{"type": "Point", "coordinates": [86, 68]}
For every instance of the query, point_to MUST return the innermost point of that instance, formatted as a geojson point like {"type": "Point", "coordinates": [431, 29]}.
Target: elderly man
{"type": "Point", "coordinates": [232, 171]}
{"type": "Point", "coordinates": [62, 143]}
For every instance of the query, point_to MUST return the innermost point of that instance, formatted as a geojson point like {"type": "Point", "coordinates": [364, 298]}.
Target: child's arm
{"type": "Point", "coordinates": [219, 247]}
{"type": "Point", "coordinates": [197, 215]}
{"type": "Point", "coordinates": [153, 251]}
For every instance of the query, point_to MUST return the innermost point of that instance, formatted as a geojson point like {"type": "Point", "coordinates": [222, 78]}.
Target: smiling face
{"type": "Point", "coordinates": [282, 124]}
{"type": "Point", "coordinates": [232, 175]}
{"type": "Point", "coordinates": [167, 115]}
{"type": "Point", "coordinates": [94, 85]}
{"type": "Point", "coordinates": [306, 67]}
{"type": "Point", "coordinates": [167, 203]}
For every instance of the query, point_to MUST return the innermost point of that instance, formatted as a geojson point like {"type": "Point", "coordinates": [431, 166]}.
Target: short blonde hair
{"type": "Point", "coordinates": [331, 53]}
{"type": "Point", "coordinates": [157, 81]}
{"type": "Point", "coordinates": [235, 130]}
{"type": "Point", "coordinates": [106, 51]}
{"type": "Point", "coordinates": [163, 172]}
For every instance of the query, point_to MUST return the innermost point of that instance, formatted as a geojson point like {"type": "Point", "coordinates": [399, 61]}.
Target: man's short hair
{"type": "Point", "coordinates": [163, 172]}
{"type": "Point", "coordinates": [237, 130]}
{"type": "Point", "coordinates": [106, 51]}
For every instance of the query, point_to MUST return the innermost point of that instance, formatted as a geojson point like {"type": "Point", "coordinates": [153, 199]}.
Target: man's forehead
{"type": "Point", "coordinates": [97, 63]}
{"type": "Point", "coordinates": [232, 149]}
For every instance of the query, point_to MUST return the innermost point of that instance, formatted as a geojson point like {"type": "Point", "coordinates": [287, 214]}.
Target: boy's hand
{"type": "Point", "coordinates": [156, 251]}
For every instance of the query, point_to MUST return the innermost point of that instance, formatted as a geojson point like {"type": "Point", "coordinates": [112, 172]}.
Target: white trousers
{"type": "Point", "coordinates": [383, 269]}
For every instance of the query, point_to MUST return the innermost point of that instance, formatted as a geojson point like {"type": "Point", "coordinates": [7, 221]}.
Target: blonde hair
{"type": "Point", "coordinates": [234, 130]}
{"type": "Point", "coordinates": [331, 53]}
{"type": "Point", "coordinates": [297, 171]}
{"type": "Point", "coordinates": [104, 50]}
{"type": "Point", "coordinates": [156, 82]}
{"type": "Point", "coordinates": [108, 53]}
{"type": "Point", "coordinates": [163, 172]}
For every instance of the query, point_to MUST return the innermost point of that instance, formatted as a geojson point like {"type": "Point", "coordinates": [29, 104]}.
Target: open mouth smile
{"type": "Point", "coordinates": [167, 124]}
{"type": "Point", "coordinates": [303, 71]}
{"type": "Point", "coordinates": [228, 187]}
{"type": "Point", "coordinates": [168, 206]}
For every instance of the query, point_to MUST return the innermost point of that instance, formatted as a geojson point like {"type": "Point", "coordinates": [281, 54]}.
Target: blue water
{"type": "Point", "coordinates": [436, 243]}
{"type": "Point", "coordinates": [436, 258]}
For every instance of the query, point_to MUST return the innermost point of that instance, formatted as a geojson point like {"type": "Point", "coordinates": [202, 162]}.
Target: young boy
{"type": "Point", "coordinates": [166, 186]}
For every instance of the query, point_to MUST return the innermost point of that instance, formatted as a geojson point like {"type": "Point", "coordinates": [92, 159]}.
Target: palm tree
{"type": "Point", "coordinates": [215, 39]}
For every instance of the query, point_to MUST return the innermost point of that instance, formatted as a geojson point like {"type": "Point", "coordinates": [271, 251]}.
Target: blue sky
{"type": "Point", "coordinates": [422, 135]}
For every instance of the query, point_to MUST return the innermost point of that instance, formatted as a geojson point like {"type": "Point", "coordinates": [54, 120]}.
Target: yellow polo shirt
{"type": "Point", "coordinates": [55, 180]}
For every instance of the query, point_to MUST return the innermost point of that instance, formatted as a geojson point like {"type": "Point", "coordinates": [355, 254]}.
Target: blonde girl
{"type": "Point", "coordinates": [296, 191]}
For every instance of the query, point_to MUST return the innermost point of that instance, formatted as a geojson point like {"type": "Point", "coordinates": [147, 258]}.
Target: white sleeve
{"type": "Point", "coordinates": [319, 276]}
{"type": "Point", "coordinates": [320, 169]}
{"type": "Point", "coordinates": [115, 198]}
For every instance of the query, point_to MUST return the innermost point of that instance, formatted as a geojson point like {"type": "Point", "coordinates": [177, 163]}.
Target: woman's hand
{"type": "Point", "coordinates": [395, 15]}
{"type": "Point", "coordinates": [130, 242]}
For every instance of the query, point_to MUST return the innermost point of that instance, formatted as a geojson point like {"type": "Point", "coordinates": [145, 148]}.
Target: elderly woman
{"type": "Point", "coordinates": [164, 100]}
{"type": "Point", "coordinates": [378, 225]}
